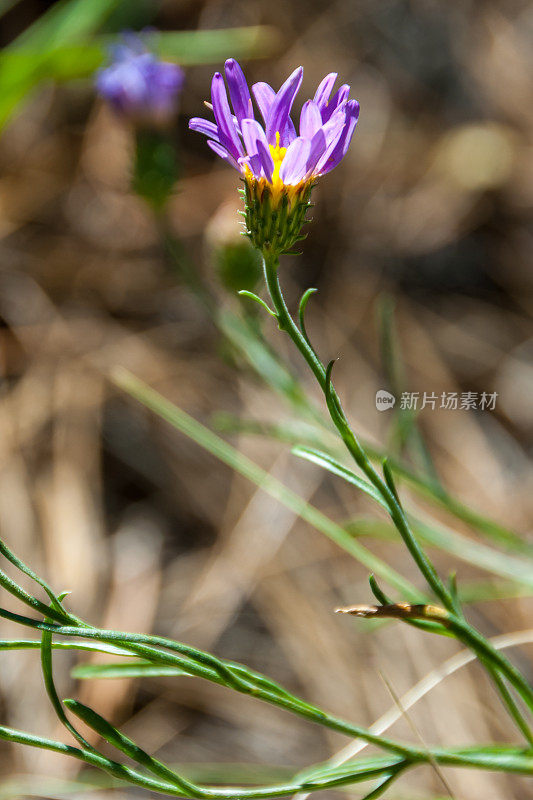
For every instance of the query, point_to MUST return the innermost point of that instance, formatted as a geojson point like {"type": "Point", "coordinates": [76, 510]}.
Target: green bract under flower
{"type": "Point", "coordinates": [275, 221]}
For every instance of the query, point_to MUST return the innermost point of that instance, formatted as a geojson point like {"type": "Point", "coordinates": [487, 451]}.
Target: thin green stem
{"type": "Point", "coordinates": [485, 651]}
{"type": "Point", "coordinates": [21, 594]}
{"type": "Point", "coordinates": [216, 672]}
{"type": "Point", "coordinates": [509, 701]}
{"type": "Point", "coordinates": [386, 489]}
{"type": "Point", "coordinates": [117, 770]}
{"type": "Point", "coordinates": [504, 759]}
{"type": "Point", "coordinates": [47, 669]}
{"type": "Point", "coordinates": [287, 324]}
{"type": "Point", "coordinates": [132, 750]}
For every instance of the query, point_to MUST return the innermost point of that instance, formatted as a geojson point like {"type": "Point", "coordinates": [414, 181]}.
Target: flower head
{"type": "Point", "coordinates": [138, 85]}
{"type": "Point", "coordinates": [279, 165]}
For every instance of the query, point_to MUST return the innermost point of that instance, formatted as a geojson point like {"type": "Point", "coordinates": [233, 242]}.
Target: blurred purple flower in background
{"type": "Point", "coordinates": [273, 154]}
{"type": "Point", "coordinates": [138, 85]}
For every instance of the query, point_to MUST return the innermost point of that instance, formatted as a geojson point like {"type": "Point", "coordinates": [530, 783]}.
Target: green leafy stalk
{"type": "Point", "coordinates": [184, 659]}
{"type": "Point", "coordinates": [217, 671]}
{"type": "Point", "coordinates": [501, 758]}
{"type": "Point", "coordinates": [46, 665]}
{"type": "Point", "coordinates": [130, 749]}
{"type": "Point", "coordinates": [287, 324]}
{"type": "Point", "coordinates": [226, 453]}
{"type": "Point", "coordinates": [387, 492]}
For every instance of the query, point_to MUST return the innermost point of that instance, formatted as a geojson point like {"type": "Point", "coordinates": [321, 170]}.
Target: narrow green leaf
{"type": "Point", "coordinates": [301, 313]}
{"type": "Point", "coordinates": [482, 556]}
{"type": "Point", "coordinates": [129, 748]}
{"type": "Point", "coordinates": [21, 594]}
{"type": "Point", "coordinates": [259, 300]}
{"type": "Point", "coordinates": [331, 465]}
{"type": "Point", "coordinates": [510, 703]}
{"type": "Point", "coordinates": [517, 569]}
{"type": "Point", "coordinates": [389, 479]}
{"type": "Point", "coordinates": [46, 665]}
{"type": "Point", "coordinates": [30, 644]}
{"type": "Point", "coordinates": [119, 771]}
{"type": "Point", "coordinates": [380, 596]}
{"type": "Point", "coordinates": [493, 530]}
{"type": "Point", "coordinates": [504, 759]}
{"type": "Point", "coordinates": [135, 669]}
{"type": "Point", "coordinates": [365, 767]}
{"type": "Point", "coordinates": [13, 559]}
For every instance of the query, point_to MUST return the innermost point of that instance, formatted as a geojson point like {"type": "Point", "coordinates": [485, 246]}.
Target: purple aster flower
{"type": "Point", "coordinates": [279, 165]}
{"type": "Point", "coordinates": [138, 85]}
{"type": "Point", "coordinates": [273, 154]}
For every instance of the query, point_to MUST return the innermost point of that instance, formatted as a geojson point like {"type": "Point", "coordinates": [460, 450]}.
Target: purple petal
{"type": "Point", "coordinates": [253, 163]}
{"type": "Point", "coordinates": [204, 126]}
{"type": "Point", "coordinates": [288, 135]}
{"type": "Point", "coordinates": [264, 97]}
{"type": "Point", "coordinates": [293, 167]}
{"type": "Point", "coordinates": [226, 127]}
{"type": "Point", "coordinates": [238, 90]}
{"type": "Point", "coordinates": [267, 162]}
{"type": "Point", "coordinates": [252, 132]}
{"type": "Point", "coordinates": [221, 151]}
{"type": "Point", "coordinates": [331, 132]}
{"type": "Point", "coordinates": [334, 127]}
{"type": "Point", "coordinates": [281, 107]}
{"type": "Point", "coordinates": [310, 119]}
{"type": "Point", "coordinates": [339, 97]}
{"type": "Point", "coordinates": [341, 146]}
{"type": "Point", "coordinates": [257, 146]}
{"type": "Point", "coordinates": [324, 90]}
{"type": "Point", "coordinates": [324, 141]}
{"type": "Point", "coordinates": [317, 149]}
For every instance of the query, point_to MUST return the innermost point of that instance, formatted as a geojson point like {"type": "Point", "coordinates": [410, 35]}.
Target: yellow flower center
{"type": "Point", "coordinates": [278, 154]}
{"type": "Point", "coordinates": [276, 186]}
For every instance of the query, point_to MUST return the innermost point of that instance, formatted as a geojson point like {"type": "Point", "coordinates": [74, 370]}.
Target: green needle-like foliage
{"type": "Point", "coordinates": [161, 656]}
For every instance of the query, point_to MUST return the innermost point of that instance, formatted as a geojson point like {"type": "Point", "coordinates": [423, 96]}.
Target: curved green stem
{"type": "Point", "coordinates": [486, 652]}
{"type": "Point", "coordinates": [509, 701]}
{"type": "Point", "coordinates": [47, 669]}
{"type": "Point", "coordinates": [464, 631]}
{"type": "Point", "coordinates": [287, 324]}
{"type": "Point", "coordinates": [505, 759]}
{"type": "Point", "coordinates": [254, 684]}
